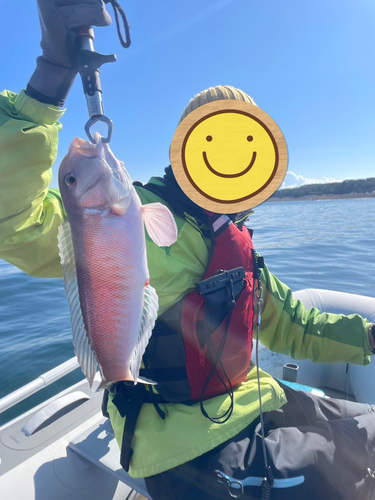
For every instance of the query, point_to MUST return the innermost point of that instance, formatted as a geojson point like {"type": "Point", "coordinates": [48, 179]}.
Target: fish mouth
{"type": "Point", "coordinates": [229, 176]}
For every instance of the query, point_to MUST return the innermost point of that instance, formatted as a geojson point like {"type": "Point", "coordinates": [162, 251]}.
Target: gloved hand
{"type": "Point", "coordinates": [55, 71]}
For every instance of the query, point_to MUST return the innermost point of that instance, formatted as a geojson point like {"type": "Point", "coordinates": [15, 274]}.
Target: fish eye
{"type": "Point", "coordinates": [249, 138]}
{"type": "Point", "coordinates": [209, 138]}
{"type": "Point", "coordinates": [70, 180]}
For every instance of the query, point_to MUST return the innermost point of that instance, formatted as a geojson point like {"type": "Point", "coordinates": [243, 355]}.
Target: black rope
{"type": "Point", "coordinates": [224, 417]}
{"type": "Point", "coordinates": [118, 10]}
{"type": "Point", "coordinates": [266, 490]}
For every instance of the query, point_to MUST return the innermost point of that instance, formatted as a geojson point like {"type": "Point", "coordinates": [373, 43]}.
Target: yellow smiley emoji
{"type": "Point", "coordinates": [228, 156]}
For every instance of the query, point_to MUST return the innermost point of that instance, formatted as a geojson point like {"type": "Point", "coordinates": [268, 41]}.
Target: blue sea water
{"type": "Point", "coordinates": [309, 244]}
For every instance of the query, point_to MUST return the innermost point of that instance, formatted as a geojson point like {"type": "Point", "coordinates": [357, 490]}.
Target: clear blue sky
{"type": "Point", "coordinates": [309, 64]}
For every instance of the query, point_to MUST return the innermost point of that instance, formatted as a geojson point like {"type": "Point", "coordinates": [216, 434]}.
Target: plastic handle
{"type": "Point", "coordinates": [48, 411]}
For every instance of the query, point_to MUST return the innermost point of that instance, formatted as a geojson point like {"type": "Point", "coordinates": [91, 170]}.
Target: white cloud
{"type": "Point", "coordinates": [292, 180]}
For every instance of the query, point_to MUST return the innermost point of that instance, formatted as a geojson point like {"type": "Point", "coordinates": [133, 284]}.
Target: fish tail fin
{"type": "Point", "coordinates": [149, 315]}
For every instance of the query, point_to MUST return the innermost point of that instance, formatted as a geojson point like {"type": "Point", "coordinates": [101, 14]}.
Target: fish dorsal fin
{"type": "Point", "coordinates": [160, 224]}
{"type": "Point", "coordinates": [149, 315]}
{"type": "Point", "coordinates": [82, 348]}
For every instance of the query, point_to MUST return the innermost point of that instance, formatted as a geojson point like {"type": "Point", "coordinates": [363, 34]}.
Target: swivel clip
{"type": "Point", "coordinates": [234, 487]}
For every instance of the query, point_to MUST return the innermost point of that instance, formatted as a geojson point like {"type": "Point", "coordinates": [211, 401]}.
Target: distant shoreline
{"type": "Point", "coordinates": [351, 196]}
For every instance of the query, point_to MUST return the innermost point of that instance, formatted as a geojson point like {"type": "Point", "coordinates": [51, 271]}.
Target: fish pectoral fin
{"type": "Point", "coordinates": [160, 224]}
{"type": "Point", "coordinates": [118, 209]}
{"type": "Point", "coordinates": [82, 348]}
{"type": "Point", "coordinates": [149, 315]}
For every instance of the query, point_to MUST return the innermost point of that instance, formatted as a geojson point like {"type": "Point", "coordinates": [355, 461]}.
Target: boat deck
{"type": "Point", "coordinates": [73, 453]}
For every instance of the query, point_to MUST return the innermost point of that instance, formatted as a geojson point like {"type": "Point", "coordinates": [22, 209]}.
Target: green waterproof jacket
{"type": "Point", "coordinates": [30, 214]}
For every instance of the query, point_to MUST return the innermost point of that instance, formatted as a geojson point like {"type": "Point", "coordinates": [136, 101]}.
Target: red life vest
{"type": "Point", "coordinates": [201, 347]}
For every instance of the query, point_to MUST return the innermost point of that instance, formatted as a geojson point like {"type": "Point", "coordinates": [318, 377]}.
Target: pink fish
{"type": "Point", "coordinates": [112, 305]}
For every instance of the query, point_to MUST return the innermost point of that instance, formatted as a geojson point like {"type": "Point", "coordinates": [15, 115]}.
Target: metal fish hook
{"type": "Point", "coordinates": [95, 119]}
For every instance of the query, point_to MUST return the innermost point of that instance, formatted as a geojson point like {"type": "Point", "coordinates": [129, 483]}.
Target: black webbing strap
{"type": "Point", "coordinates": [258, 264]}
{"type": "Point", "coordinates": [128, 401]}
{"type": "Point", "coordinates": [135, 405]}
{"type": "Point", "coordinates": [105, 403]}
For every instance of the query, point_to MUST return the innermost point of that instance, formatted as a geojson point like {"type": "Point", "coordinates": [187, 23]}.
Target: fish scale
{"type": "Point", "coordinates": [106, 281]}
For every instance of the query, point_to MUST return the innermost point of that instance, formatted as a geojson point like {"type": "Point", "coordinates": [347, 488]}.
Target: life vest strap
{"type": "Point", "coordinates": [128, 401]}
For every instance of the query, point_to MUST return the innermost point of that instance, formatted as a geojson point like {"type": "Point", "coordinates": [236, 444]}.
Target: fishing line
{"type": "Point", "coordinates": [268, 480]}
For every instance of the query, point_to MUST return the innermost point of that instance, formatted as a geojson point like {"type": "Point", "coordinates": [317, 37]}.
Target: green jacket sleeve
{"type": "Point", "coordinates": [288, 328]}
{"type": "Point", "coordinates": [30, 213]}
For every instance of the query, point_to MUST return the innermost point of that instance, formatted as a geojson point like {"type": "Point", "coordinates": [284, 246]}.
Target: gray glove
{"type": "Point", "coordinates": [55, 71]}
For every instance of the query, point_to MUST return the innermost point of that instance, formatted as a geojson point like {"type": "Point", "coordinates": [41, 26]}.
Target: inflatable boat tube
{"type": "Point", "coordinates": [356, 380]}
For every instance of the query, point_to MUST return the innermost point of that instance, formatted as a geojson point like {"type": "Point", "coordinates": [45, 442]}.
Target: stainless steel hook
{"type": "Point", "coordinates": [95, 119]}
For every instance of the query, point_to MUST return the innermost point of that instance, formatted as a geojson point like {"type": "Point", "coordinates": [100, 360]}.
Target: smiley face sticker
{"type": "Point", "coordinates": [228, 156]}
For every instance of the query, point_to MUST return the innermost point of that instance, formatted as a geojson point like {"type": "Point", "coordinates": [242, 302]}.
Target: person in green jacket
{"type": "Point", "coordinates": [329, 442]}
